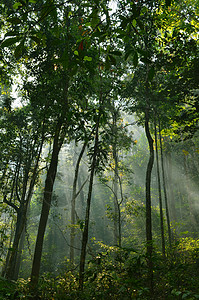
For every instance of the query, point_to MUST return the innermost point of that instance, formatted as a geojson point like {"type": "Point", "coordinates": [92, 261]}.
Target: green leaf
{"type": "Point", "coordinates": [11, 33]}
{"type": "Point", "coordinates": [118, 53]}
{"type": "Point", "coordinates": [151, 74]}
{"type": "Point", "coordinates": [11, 249]}
{"type": "Point", "coordinates": [10, 41]}
{"type": "Point", "coordinates": [16, 5]}
{"type": "Point", "coordinates": [35, 39]}
{"type": "Point", "coordinates": [107, 63]}
{"type": "Point", "coordinates": [112, 59]}
{"type": "Point", "coordinates": [187, 294]}
{"type": "Point", "coordinates": [73, 71]}
{"type": "Point", "coordinates": [94, 18]}
{"type": "Point", "coordinates": [87, 58]}
{"type": "Point", "coordinates": [14, 20]}
{"type": "Point", "coordinates": [76, 52]}
{"type": "Point", "coordinates": [124, 23]}
{"type": "Point", "coordinates": [134, 22]}
{"type": "Point", "coordinates": [19, 50]}
{"type": "Point", "coordinates": [127, 54]}
{"type": "Point", "coordinates": [33, 1]}
{"type": "Point", "coordinates": [135, 59]}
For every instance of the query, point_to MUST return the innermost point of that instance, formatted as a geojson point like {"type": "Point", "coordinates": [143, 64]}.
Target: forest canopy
{"type": "Point", "coordinates": [99, 164]}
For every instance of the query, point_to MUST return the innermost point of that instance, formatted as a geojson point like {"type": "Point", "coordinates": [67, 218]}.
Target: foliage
{"type": "Point", "coordinates": [7, 289]}
{"type": "Point", "coordinates": [120, 273]}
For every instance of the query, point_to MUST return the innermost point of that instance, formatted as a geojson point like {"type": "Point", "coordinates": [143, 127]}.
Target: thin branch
{"type": "Point", "coordinates": [77, 194]}
{"type": "Point", "coordinates": [10, 204]}
{"type": "Point", "coordinates": [61, 231]}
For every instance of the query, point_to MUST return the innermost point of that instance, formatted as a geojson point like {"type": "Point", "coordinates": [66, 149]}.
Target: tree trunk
{"type": "Point", "coordinates": [160, 195]}
{"type": "Point", "coordinates": [148, 203]}
{"type": "Point", "coordinates": [20, 249]}
{"type": "Point", "coordinates": [10, 272]}
{"type": "Point", "coordinates": [13, 261]}
{"type": "Point", "coordinates": [117, 221]}
{"type": "Point", "coordinates": [73, 214]}
{"type": "Point", "coordinates": [165, 190]}
{"type": "Point", "coordinates": [87, 217]}
{"type": "Point", "coordinates": [171, 198]}
{"type": "Point", "coordinates": [48, 189]}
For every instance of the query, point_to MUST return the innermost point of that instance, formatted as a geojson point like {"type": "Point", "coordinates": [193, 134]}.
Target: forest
{"type": "Point", "coordinates": [99, 149]}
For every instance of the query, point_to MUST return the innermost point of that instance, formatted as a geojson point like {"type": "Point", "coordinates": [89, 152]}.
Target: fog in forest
{"type": "Point", "coordinates": [181, 183]}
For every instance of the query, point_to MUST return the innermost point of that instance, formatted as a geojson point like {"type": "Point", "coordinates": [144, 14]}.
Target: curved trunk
{"type": "Point", "coordinates": [165, 190]}
{"type": "Point", "coordinates": [160, 195]}
{"type": "Point", "coordinates": [148, 203]}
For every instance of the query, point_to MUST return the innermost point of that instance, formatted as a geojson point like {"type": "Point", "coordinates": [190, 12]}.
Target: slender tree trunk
{"type": "Point", "coordinates": [74, 195]}
{"type": "Point", "coordinates": [117, 218]}
{"type": "Point", "coordinates": [12, 233]}
{"type": "Point", "coordinates": [87, 217]}
{"type": "Point", "coordinates": [148, 203]}
{"type": "Point", "coordinates": [18, 260]}
{"type": "Point", "coordinates": [10, 270]}
{"type": "Point", "coordinates": [165, 190]}
{"type": "Point", "coordinates": [188, 188]}
{"type": "Point", "coordinates": [117, 214]}
{"type": "Point", "coordinates": [160, 194]}
{"type": "Point", "coordinates": [13, 262]}
{"type": "Point", "coordinates": [116, 206]}
{"type": "Point", "coordinates": [171, 198]}
{"type": "Point", "coordinates": [48, 189]}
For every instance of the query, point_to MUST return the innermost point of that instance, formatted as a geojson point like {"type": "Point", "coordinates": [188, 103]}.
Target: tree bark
{"type": "Point", "coordinates": [165, 190]}
{"type": "Point", "coordinates": [117, 221]}
{"type": "Point", "coordinates": [12, 267]}
{"type": "Point", "coordinates": [148, 203]}
{"type": "Point", "coordinates": [87, 217]}
{"type": "Point", "coordinates": [48, 189]}
{"type": "Point", "coordinates": [10, 272]}
{"type": "Point", "coordinates": [74, 195]}
{"type": "Point", "coordinates": [171, 198]}
{"type": "Point", "coordinates": [160, 194]}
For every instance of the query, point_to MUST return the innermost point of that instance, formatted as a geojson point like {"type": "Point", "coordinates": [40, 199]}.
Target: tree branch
{"type": "Point", "coordinates": [10, 204]}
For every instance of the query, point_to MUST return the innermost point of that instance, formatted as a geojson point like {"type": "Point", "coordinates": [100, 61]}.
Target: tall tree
{"type": "Point", "coordinates": [23, 156]}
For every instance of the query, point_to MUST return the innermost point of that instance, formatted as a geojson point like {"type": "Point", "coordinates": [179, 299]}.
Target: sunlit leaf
{"type": "Point", "coordinates": [17, 5]}
{"type": "Point", "coordinates": [87, 58]}
{"type": "Point", "coordinates": [185, 152]}
{"type": "Point", "coordinates": [134, 22]}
